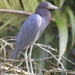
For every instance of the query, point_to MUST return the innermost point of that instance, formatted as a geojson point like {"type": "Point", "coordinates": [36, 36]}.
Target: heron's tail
{"type": "Point", "coordinates": [14, 54]}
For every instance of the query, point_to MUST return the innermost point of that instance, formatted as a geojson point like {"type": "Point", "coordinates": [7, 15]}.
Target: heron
{"type": "Point", "coordinates": [33, 27]}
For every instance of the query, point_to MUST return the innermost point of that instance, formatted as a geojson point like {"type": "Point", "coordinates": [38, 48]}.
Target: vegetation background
{"type": "Point", "coordinates": [60, 34]}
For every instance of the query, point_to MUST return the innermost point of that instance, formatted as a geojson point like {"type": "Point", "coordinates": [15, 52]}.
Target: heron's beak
{"type": "Point", "coordinates": [50, 6]}
{"type": "Point", "coordinates": [61, 9]}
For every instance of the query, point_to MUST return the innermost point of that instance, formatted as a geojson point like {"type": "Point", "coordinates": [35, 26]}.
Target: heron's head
{"type": "Point", "coordinates": [48, 5]}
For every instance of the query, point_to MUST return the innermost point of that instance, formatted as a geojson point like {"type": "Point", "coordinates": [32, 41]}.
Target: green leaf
{"type": "Point", "coordinates": [6, 4]}
{"type": "Point", "coordinates": [26, 5]}
{"type": "Point", "coordinates": [6, 23]}
{"type": "Point", "coordinates": [15, 4]}
{"type": "Point", "coordinates": [72, 20]}
{"type": "Point", "coordinates": [33, 4]}
{"type": "Point", "coordinates": [57, 2]}
{"type": "Point", "coordinates": [63, 34]}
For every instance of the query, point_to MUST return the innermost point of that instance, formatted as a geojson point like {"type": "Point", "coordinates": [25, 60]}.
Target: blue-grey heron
{"type": "Point", "coordinates": [33, 27]}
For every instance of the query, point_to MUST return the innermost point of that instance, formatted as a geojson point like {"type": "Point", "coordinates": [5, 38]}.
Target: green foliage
{"type": "Point", "coordinates": [72, 22]}
{"type": "Point", "coordinates": [13, 19]}
{"type": "Point", "coordinates": [63, 33]}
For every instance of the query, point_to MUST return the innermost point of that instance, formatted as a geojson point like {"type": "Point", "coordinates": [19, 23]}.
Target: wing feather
{"type": "Point", "coordinates": [27, 33]}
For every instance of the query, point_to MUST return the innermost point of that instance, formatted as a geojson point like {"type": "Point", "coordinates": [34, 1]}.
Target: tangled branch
{"type": "Point", "coordinates": [32, 66]}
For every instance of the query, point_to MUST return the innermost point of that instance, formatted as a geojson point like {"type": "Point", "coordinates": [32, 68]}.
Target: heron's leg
{"type": "Point", "coordinates": [26, 59]}
{"type": "Point", "coordinates": [30, 60]}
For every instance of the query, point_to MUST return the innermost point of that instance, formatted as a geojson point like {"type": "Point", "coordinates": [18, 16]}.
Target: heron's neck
{"type": "Point", "coordinates": [44, 13]}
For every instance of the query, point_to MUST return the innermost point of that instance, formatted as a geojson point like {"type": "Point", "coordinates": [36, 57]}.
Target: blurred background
{"type": "Point", "coordinates": [60, 33]}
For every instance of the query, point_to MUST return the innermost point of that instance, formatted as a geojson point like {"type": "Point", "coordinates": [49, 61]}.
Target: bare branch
{"type": "Point", "coordinates": [15, 11]}
{"type": "Point", "coordinates": [59, 70]}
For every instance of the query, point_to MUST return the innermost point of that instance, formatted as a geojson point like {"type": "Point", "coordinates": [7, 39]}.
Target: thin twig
{"type": "Point", "coordinates": [16, 11]}
{"type": "Point", "coordinates": [59, 70]}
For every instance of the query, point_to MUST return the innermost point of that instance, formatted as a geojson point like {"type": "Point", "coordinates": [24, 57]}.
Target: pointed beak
{"type": "Point", "coordinates": [50, 6]}
{"type": "Point", "coordinates": [61, 9]}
